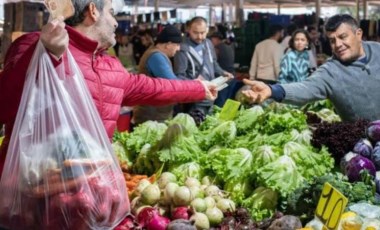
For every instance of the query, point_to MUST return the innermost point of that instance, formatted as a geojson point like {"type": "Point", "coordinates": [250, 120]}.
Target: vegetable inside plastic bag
{"type": "Point", "coordinates": [60, 171]}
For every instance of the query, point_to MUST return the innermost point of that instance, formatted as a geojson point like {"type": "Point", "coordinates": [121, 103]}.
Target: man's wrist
{"type": "Point", "coordinates": [278, 92]}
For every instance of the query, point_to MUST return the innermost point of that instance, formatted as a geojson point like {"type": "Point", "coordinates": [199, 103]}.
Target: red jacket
{"type": "Point", "coordinates": [109, 83]}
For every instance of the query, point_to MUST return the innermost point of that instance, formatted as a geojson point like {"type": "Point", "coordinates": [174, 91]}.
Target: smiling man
{"type": "Point", "coordinates": [350, 78]}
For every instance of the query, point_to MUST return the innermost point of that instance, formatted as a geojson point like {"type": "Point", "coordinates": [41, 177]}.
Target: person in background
{"type": "Point", "coordinates": [124, 51]}
{"type": "Point", "coordinates": [266, 59]}
{"type": "Point", "coordinates": [225, 57]}
{"type": "Point", "coordinates": [196, 59]}
{"type": "Point", "coordinates": [350, 78]}
{"type": "Point", "coordinates": [138, 47]}
{"type": "Point", "coordinates": [295, 65]}
{"type": "Point", "coordinates": [156, 63]}
{"type": "Point", "coordinates": [88, 34]}
{"type": "Point", "coordinates": [147, 39]}
{"type": "Point", "coordinates": [289, 32]}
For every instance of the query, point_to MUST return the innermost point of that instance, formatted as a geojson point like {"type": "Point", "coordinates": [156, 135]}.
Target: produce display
{"type": "Point", "coordinates": [263, 163]}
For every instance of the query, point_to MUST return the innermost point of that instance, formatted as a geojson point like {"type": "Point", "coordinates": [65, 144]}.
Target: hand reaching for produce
{"type": "Point", "coordinates": [258, 92]}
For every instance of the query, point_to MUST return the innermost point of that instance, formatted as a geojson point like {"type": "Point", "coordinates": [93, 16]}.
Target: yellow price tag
{"type": "Point", "coordinates": [229, 110]}
{"type": "Point", "coordinates": [330, 207]}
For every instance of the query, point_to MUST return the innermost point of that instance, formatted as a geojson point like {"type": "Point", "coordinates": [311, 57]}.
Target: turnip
{"type": "Point", "coordinates": [199, 205]}
{"type": "Point", "coordinates": [214, 215]}
{"type": "Point", "coordinates": [210, 202]}
{"type": "Point", "coordinates": [182, 196]}
{"type": "Point", "coordinates": [206, 180]}
{"type": "Point", "coordinates": [191, 181]}
{"type": "Point", "coordinates": [140, 187]}
{"type": "Point", "coordinates": [165, 178]}
{"type": "Point", "coordinates": [201, 221]}
{"type": "Point", "coordinates": [217, 198]}
{"type": "Point", "coordinates": [151, 194]}
{"type": "Point", "coordinates": [212, 190]}
{"type": "Point", "coordinates": [169, 191]}
{"type": "Point", "coordinates": [196, 192]}
{"type": "Point", "coordinates": [135, 203]}
{"type": "Point", "coordinates": [226, 205]}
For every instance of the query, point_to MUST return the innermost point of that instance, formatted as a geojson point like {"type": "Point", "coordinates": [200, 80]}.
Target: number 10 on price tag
{"type": "Point", "coordinates": [330, 207]}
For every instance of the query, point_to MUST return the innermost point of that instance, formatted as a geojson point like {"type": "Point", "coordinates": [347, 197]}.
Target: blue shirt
{"type": "Point", "coordinates": [158, 65]}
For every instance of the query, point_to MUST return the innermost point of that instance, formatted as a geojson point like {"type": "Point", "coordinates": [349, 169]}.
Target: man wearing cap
{"type": "Point", "coordinates": [156, 63]}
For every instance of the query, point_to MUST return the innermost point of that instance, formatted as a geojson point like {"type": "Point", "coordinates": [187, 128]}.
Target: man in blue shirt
{"type": "Point", "coordinates": [156, 63]}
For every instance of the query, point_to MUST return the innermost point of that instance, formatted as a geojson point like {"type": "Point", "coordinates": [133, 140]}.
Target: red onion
{"type": "Point", "coordinates": [145, 216]}
{"type": "Point", "coordinates": [158, 223]}
{"type": "Point", "coordinates": [182, 212]}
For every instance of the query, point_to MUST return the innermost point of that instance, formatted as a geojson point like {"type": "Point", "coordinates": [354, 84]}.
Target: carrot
{"type": "Point", "coordinates": [48, 189]}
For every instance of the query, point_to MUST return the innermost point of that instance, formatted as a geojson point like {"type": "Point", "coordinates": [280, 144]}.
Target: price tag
{"type": "Point", "coordinates": [330, 207]}
{"type": "Point", "coordinates": [229, 110]}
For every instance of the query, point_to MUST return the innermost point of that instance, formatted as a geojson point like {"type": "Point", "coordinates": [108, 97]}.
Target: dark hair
{"type": "Point", "coordinates": [275, 28]}
{"type": "Point", "coordinates": [81, 6]}
{"type": "Point", "coordinates": [335, 21]}
{"type": "Point", "coordinates": [196, 20]}
{"type": "Point", "coordinates": [311, 28]}
{"type": "Point", "coordinates": [291, 28]}
{"type": "Point", "coordinates": [299, 31]}
{"type": "Point", "coordinates": [217, 35]}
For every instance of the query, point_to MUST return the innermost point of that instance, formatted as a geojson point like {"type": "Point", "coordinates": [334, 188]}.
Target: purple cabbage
{"type": "Point", "coordinates": [375, 157]}
{"type": "Point", "coordinates": [344, 161]}
{"type": "Point", "coordinates": [373, 131]}
{"type": "Point", "coordinates": [356, 165]}
{"type": "Point", "coordinates": [364, 148]}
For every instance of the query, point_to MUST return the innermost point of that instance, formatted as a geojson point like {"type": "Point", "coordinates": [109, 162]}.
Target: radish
{"type": "Point", "coordinates": [165, 178]}
{"type": "Point", "coordinates": [151, 194]}
{"type": "Point", "coordinates": [201, 221]}
{"type": "Point", "coordinates": [226, 205]}
{"type": "Point", "coordinates": [199, 205]}
{"type": "Point", "coordinates": [191, 181]}
{"type": "Point", "coordinates": [182, 196]}
{"type": "Point", "coordinates": [214, 215]}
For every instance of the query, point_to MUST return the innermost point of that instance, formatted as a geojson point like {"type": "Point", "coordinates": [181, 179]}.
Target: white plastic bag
{"type": "Point", "coordinates": [60, 171]}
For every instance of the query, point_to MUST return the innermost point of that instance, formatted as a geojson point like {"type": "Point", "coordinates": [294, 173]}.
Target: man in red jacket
{"type": "Point", "coordinates": [88, 34]}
